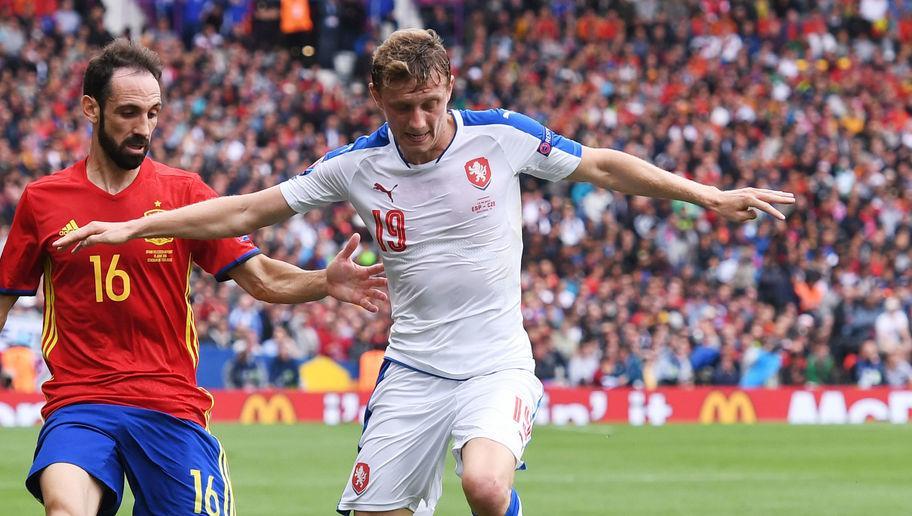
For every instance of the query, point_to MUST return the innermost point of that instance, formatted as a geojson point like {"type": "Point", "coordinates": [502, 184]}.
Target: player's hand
{"type": "Point", "coordinates": [112, 233]}
{"type": "Point", "coordinates": [353, 283]}
{"type": "Point", "coordinates": [741, 205]}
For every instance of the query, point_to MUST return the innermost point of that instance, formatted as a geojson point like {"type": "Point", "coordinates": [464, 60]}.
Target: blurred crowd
{"type": "Point", "coordinates": [809, 97]}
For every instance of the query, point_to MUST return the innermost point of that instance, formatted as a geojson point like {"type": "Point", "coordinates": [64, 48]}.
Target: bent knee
{"type": "Point", "coordinates": [486, 489]}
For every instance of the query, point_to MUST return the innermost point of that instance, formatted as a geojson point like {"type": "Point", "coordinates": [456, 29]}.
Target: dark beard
{"type": "Point", "coordinates": [117, 153]}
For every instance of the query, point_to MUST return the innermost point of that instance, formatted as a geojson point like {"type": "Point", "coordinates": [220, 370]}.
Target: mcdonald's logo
{"type": "Point", "coordinates": [717, 407]}
{"type": "Point", "coordinates": [276, 409]}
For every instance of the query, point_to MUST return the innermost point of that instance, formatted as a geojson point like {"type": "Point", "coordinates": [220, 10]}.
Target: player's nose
{"type": "Point", "coordinates": [144, 128]}
{"type": "Point", "coordinates": [416, 121]}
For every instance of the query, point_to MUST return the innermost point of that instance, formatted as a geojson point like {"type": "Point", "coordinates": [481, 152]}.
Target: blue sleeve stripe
{"type": "Point", "coordinates": [14, 292]}
{"type": "Point", "coordinates": [222, 274]}
{"type": "Point", "coordinates": [378, 138]}
{"type": "Point", "coordinates": [567, 145]}
{"type": "Point", "coordinates": [523, 123]}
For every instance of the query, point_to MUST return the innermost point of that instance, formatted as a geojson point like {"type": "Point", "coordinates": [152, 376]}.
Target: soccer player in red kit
{"type": "Point", "coordinates": [119, 335]}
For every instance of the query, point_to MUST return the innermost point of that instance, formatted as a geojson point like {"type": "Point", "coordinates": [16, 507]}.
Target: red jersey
{"type": "Point", "coordinates": [118, 323]}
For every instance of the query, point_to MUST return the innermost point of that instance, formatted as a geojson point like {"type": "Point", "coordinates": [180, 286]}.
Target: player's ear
{"type": "Point", "coordinates": [91, 109]}
{"type": "Point", "coordinates": [375, 94]}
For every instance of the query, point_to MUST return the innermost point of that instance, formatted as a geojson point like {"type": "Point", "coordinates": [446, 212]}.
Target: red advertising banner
{"type": "Point", "coordinates": [561, 406]}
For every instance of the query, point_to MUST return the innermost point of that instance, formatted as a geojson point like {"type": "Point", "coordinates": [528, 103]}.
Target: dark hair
{"type": "Point", "coordinates": [120, 53]}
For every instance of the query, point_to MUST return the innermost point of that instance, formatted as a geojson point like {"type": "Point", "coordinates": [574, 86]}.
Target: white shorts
{"type": "Point", "coordinates": [409, 421]}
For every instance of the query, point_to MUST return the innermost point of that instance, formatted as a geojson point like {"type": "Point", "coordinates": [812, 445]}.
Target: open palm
{"type": "Point", "coordinates": [353, 283]}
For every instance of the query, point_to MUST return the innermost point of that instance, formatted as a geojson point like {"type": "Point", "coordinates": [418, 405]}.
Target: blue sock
{"type": "Point", "coordinates": [515, 508]}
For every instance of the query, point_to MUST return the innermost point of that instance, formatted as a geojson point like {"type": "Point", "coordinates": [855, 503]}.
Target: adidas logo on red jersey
{"type": "Point", "coordinates": [70, 227]}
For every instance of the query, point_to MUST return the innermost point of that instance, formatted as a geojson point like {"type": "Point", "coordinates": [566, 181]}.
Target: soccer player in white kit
{"type": "Point", "coordinates": [439, 191]}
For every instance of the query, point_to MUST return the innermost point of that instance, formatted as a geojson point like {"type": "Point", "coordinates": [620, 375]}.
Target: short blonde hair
{"type": "Point", "coordinates": [410, 54]}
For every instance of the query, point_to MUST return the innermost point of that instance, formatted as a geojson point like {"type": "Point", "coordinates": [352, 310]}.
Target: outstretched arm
{"type": "Point", "coordinates": [275, 281]}
{"type": "Point", "coordinates": [220, 217]}
{"type": "Point", "coordinates": [628, 174]}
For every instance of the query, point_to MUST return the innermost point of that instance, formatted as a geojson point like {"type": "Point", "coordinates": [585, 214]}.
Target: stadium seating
{"type": "Point", "coordinates": [769, 94]}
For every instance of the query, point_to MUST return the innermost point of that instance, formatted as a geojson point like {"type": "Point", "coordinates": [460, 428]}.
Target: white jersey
{"type": "Point", "coordinates": [449, 232]}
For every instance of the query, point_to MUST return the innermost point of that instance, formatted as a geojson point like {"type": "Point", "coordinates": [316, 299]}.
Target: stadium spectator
{"type": "Point", "coordinates": [728, 370]}
{"type": "Point", "coordinates": [66, 19]}
{"type": "Point", "coordinates": [892, 329]}
{"type": "Point", "coordinates": [869, 369]}
{"type": "Point", "coordinates": [631, 368]}
{"type": "Point", "coordinates": [247, 315]}
{"type": "Point", "coordinates": [673, 366]}
{"type": "Point", "coordinates": [821, 368]}
{"type": "Point", "coordinates": [619, 368]}
{"type": "Point", "coordinates": [284, 368]}
{"type": "Point", "coordinates": [550, 365]}
{"type": "Point", "coordinates": [244, 371]}
{"type": "Point", "coordinates": [214, 331]}
{"type": "Point", "coordinates": [762, 362]}
{"type": "Point", "coordinates": [897, 370]}
{"type": "Point", "coordinates": [793, 370]}
{"type": "Point", "coordinates": [99, 35]}
{"type": "Point", "coordinates": [582, 367]}
{"type": "Point", "coordinates": [280, 339]}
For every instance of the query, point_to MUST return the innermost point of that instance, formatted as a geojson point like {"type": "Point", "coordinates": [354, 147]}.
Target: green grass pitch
{"type": "Point", "coordinates": [596, 470]}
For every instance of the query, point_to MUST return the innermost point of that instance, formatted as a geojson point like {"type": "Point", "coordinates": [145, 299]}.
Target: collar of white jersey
{"type": "Point", "coordinates": [457, 118]}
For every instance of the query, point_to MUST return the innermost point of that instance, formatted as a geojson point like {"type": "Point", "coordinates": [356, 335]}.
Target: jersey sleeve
{"type": "Point", "coordinates": [536, 150]}
{"type": "Point", "coordinates": [20, 262]}
{"type": "Point", "coordinates": [218, 257]}
{"type": "Point", "coordinates": [320, 184]}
